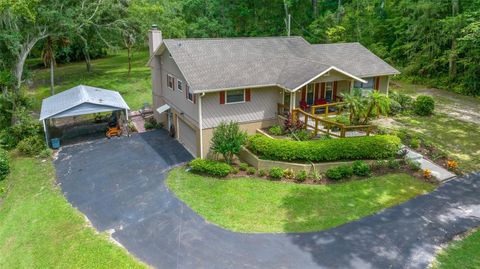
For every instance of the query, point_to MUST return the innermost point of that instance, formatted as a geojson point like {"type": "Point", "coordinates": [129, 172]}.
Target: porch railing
{"type": "Point", "coordinates": [327, 109]}
{"type": "Point", "coordinates": [332, 128]}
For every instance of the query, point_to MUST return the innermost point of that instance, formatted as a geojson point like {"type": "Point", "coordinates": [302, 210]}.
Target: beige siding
{"type": "Point", "coordinates": [174, 98]}
{"type": "Point", "coordinates": [262, 106]}
{"type": "Point", "coordinates": [332, 76]}
{"type": "Point", "coordinates": [383, 87]}
{"type": "Point", "coordinates": [250, 128]}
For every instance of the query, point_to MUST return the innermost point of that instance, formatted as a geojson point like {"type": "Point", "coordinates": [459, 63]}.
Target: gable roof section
{"type": "Point", "coordinates": [287, 62]}
{"type": "Point", "coordinates": [81, 100]}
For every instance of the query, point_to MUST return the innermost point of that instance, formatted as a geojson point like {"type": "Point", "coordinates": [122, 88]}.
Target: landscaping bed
{"type": "Point", "coordinates": [247, 204]}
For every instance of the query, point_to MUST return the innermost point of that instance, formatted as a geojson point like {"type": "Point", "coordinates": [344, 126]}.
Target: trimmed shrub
{"type": "Point", "coordinates": [275, 130]}
{"type": "Point", "coordinates": [46, 153]}
{"type": "Point", "coordinates": [395, 107]}
{"type": "Point", "coordinates": [301, 175]}
{"type": "Point", "coordinates": [361, 168]}
{"type": "Point", "coordinates": [4, 164]}
{"type": "Point", "coordinates": [288, 173]}
{"type": "Point", "coordinates": [352, 148]}
{"type": "Point", "coordinates": [251, 171]}
{"type": "Point", "coordinates": [340, 172]}
{"type": "Point", "coordinates": [424, 105]}
{"type": "Point", "coordinates": [213, 168]}
{"type": "Point", "coordinates": [32, 145]}
{"type": "Point", "coordinates": [243, 166]}
{"type": "Point", "coordinates": [403, 100]}
{"type": "Point", "coordinates": [276, 172]}
{"type": "Point", "coordinates": [379, 164]}
{"type": "Point", "coordinates": [262, 172]}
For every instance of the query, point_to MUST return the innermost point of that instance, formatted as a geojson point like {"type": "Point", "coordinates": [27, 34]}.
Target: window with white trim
{"type": "Point", "coordinates": [179, 85]}
{"type": "Point", "coordinates": [189, 93]}
{"type": "Point", "coordinates": [170, 81]}
{"type": "Point", "coordinates": [329, 91]}
{"type": "Point", "coordinates": [235, 96]}
{"type": "Point", "coordinates": [369, 85]}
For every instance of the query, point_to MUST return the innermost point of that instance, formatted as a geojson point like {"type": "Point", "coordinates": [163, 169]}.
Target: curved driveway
{"type": "Point", "coordinates": [119, 185]}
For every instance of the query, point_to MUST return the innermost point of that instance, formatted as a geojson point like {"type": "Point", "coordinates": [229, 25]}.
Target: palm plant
{"type": "Point", "coordinates": [356, 104]}
{"type": "Point", "coordinates": [378, 102]}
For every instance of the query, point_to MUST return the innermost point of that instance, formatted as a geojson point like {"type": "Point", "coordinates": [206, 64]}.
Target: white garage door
{"type": "Point", "coordinates": [186, 136]}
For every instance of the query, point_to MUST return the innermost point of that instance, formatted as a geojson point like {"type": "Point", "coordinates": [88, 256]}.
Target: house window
{"type": "Point", "coordinates": [189, 93]}
{"type": "Point", "coordinates": [179, 85]}
{"type": "Point", "coordinates": [170, 82]}
{"type": "Point", "coordinates": [310, 94]}
{"type": "Point", "coordinates": [236, 96]}
{"type": "Point", "coordinates": [368, 85]}
{"type": "Point", "coordinates": [328, 91]}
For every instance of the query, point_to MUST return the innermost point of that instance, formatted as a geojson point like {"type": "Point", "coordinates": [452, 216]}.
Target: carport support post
{"type": "Point", "coordinates": [45, 130]}
{"type": "Point", "coordinates": [126, 115]}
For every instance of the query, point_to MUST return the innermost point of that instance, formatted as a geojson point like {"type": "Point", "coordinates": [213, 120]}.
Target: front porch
{"type": "Point", "coordinates": [317, 104]}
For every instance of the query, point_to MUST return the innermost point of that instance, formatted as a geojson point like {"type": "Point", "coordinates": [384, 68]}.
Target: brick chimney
{"type": "Point", "coordinates": [154, 39]}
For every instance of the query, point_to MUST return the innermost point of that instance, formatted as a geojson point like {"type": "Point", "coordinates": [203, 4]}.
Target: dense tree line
{"type": "Point", "coordinates": [433, 41]}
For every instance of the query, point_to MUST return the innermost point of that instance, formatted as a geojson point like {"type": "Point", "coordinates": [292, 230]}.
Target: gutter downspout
{"type": "Point", "coordinates": [200, 123]}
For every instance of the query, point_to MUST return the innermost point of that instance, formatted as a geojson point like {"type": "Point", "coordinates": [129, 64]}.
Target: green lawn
{"type": "Point", "coordinates": [457, 138]}
{"type": "Point", "coordinates": [463, 254]}
{"type": "Point", "coordinates": [110, 73]}
{"type": "Point", "coordinates": [446, 129]}
{"type": "Point", "coordinates": [39, 229]}
{"type": "Point", "coordinates": [253, 205]}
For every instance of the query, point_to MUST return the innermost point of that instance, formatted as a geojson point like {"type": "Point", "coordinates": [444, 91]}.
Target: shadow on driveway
{"type": "Point", "coordinates": [119, 185]}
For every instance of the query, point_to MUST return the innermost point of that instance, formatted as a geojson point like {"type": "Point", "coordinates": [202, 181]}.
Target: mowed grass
{"type": "Point", "coordinates": [254, 205]}
{"type": "Point", "coordinates": [39, 229]}
{"type": "Point", "coordinates": [463, 254]}
{"type": "Point", "coordinates": [459, 139]}
{"type": "Point", "coordinates": [110, 73]}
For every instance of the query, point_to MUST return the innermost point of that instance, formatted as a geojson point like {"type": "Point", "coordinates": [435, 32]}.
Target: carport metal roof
{"type": "Point", "coordinates": [81, 100]}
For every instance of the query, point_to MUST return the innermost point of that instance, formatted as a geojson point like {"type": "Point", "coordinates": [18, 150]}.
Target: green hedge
{"type": "Point", "coordinates": [213, 168]}
{"type": "Point", "coordinates": [4, 164]}
{"type": "Point", "coordinates": [354, 148]}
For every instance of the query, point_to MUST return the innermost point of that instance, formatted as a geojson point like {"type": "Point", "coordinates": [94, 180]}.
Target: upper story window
{"type": "Point", "coordinates": [189, 93]}
{"type": "Point", "coordinates": [179, 85]}
{"type": "Point", "coordinates": [236, 96]}
{"type": "Point", "coordinates": [170, 81]}
{"type": "Point", "coordinates": [368, 85]}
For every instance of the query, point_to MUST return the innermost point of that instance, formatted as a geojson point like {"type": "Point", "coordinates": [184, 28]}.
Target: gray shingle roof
{"type": "Point", "coordinates": [289, 62]}
{"type": "Point", "coordinates": [98, 100]}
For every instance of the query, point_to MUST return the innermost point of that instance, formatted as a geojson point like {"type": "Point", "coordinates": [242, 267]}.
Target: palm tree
{"type": "Point", "coordinates": [379, 102]}
{"type": "Point", "coordinates": [353, 103]}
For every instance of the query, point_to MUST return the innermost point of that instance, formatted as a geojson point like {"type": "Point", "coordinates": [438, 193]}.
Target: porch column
{"type": "Point", "coordinates": [292, 101]}
{"type": "Point", "coordinates": [351, 85]}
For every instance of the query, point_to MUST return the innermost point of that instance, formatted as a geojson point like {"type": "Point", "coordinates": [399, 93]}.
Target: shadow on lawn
{"type": "Point", "coordinates": [403, 236]}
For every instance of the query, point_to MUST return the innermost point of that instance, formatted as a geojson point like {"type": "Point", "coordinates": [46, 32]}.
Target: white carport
{"type": "Point", "coordinates": [81, 100]}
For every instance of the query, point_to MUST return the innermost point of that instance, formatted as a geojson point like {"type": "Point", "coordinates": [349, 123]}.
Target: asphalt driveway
{"type": "Point", "coordinates": [119, 185]}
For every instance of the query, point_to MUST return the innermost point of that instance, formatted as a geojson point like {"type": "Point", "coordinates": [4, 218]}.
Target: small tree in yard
{"type": "Point", "coordinates": [228, 139]}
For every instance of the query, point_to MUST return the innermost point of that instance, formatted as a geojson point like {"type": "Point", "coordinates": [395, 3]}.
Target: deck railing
{"type": "Point", "coordinates": [329, 127]}
{"type": "Point", "coordinates": [328, 109]}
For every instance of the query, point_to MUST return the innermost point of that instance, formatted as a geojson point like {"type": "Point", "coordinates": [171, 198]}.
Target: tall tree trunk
{"type": "Point", "coordinates": [315, 8]}
{"type": "Point", "coordinates": [86, 55]}
{"type": "Point", "coordinates": [18, 71]}
{"type": "Point", "coordinates": [339, 15]}
{"type": "Point", "coordinates": [452, 61]}
{"type": "Point", "coordinates": [129, 50]}
{"type": "Point", "coordinates": [52, 77]}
